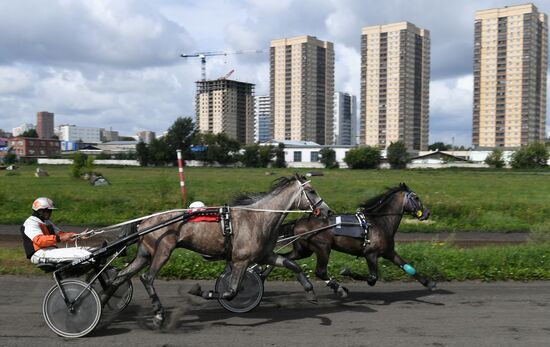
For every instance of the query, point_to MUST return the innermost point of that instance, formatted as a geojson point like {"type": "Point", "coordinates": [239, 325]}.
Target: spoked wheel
{"type": "Point", "coordinates": [249, 294]}
{"type": "Point", "coordinates": [121, 297]}
{"type": "Point", "coordinates": [83, 315]}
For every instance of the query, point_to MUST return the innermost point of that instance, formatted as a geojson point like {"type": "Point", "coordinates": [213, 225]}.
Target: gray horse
{"type": "Point", "coordinates": [255, 219]}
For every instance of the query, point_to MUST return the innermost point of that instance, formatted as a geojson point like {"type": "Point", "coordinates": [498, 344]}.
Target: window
{"type": "Point", "coordinates": [314, 157]}
{"type": "Point", "coordinates": [297, 156]}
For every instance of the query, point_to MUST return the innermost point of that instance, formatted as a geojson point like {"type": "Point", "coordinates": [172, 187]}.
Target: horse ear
{"type": "Point", "coordinates": [404, 186]}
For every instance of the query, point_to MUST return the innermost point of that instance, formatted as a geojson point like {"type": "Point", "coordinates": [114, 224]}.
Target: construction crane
{"type": "Point", "coordinates": [203, 55]}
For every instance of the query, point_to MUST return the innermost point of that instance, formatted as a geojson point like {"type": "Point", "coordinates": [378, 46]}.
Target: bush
{"type": "Point", "coordinates": [79, 162]}
{"type": "Point", "coordinates": [363, 158]}
{"type": "Point", "coordinates": [398, 157]}
{"type": "Point", "coordinates": [328, 158]}
{"type": "Point", "coordinates": [532, 156]}
{"type": "Point", "coordinates": [494, 159]}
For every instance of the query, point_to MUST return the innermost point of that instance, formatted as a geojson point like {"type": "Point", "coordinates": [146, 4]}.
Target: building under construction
{"type": "Point", "coordinates": [226, 106]}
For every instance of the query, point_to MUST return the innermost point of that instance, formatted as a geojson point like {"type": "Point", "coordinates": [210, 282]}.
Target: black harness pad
{"type": "Point", "coordinates": [348, 225]}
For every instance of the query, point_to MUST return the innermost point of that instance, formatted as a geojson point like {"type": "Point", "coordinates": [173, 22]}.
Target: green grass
{"type": "Point", "coordinates": [440, 262]}
{"type": "Point", "coordinates": [459, 199]}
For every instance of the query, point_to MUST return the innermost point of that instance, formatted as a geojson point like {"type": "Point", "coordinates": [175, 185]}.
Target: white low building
{"type": "Point", "coordinates": [73, 133]}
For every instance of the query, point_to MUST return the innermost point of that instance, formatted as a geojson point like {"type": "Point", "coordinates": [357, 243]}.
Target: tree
{"type": "Point", "coordinates": [30, 133]}
{"type": "Point", "coordinates": [180, 136]}
{"type": "Point", "coordinates": [328, 158]}
{"type": "Point", "coordinates": [363, 158]}
{"type": "Point", "coordinates": [439, 146]}
{"type": "Point", "coordinates": [280, 161]}
{"type": "Point", "coordinates": [532, 156]}
{"type": "Point", "coordinates": [219, 148]}
{"type": "Point", "coordinates": [398, 157]}
{"type": "Point", "coordinates": [89, 164]}
{"type": "Point", "coordinates": [159, 152]}
{"type": "Point", "coordinates": [250, 156]}
{"type": "Point", "coordinates": [265, 155]}
{"type": "Point", "coordinates": [142, 153]}
{"type": "Point", "coordinates": [494, 159]}
{"type": "Point", "coordinates": [10, 158]}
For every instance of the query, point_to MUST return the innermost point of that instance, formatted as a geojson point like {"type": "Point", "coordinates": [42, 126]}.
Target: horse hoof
{"type": "Point", "coordinates": [431, 286]}
{"type": "Point", "coordinates": [342, 292]}
{"type": "Point", "coordinates": [158, 319]}
{"type": "Point", "coordinates": [195, 290]}
{"type": "Point", "coordinates": [311, 298]}
{"type": "Point", "coordinates": [229, 295]}
{"type": "Point", "coordinates": [345, 272]}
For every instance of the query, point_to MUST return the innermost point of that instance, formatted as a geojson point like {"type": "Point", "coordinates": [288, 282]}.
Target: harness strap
{"type": "Point", "coordinates": [227, 230]}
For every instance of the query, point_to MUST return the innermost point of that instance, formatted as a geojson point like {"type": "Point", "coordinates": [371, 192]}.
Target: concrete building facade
{"type": "Point", "coordinates": [345, 119]}
{"type": "Point", "coordinates": [17, 131]}
{"type": "Point", "coordinates": [45, 124]}
{"type": "Point", "coordinates": [226, 106]}
{"type": "Point", "coordinates": [510, 71]}
{"type": "Point", "coordinates": [302, 89]}
{"type": "Point", "coordinates": [73, 133]}
{"type": "Point", "coordinates": [395, 85]}
{"type": "Point", "coordinates": [146, 136]}
{"type": "Point", "coordinates": [262, 118]}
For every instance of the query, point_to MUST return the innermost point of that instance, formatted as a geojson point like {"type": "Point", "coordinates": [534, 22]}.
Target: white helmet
{"type": "Point", "coordinates": [197, 204]}
{"type": "Point", "coordinates": [43, 203]}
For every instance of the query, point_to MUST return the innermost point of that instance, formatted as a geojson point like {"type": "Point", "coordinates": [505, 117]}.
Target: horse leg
{"type": "Point", "coordinates": [237, 273]}
{"type": "Point", "coordinates": [279, 260]}
{"type": "Point", "coordinates": [322, 254]}
{"type": "Point", "coordinates": [162, 254]}
{"type": "Point", "coordinates": [142, 258]}
{"type": "Point", "coordinates": [408, 269]}
{"type": "Point", "coordinates": [372, 277]}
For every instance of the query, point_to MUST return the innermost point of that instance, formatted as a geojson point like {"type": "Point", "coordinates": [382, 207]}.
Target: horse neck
{"type": "Point", "coordinates": [391, 213]}
{"type": "Point", "coordinates": [283, 200]}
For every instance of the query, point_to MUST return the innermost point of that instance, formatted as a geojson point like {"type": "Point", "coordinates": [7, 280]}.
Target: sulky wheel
{"type": "Point", "coordinates": [249, 294]}
{"type": "Point", "coordinates": [83, 315]}
{"type": "Point", "coordinates": [120, 298]}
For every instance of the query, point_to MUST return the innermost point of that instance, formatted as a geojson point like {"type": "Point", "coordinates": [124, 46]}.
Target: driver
{"type": "Point", "coordinates": [41, 236]}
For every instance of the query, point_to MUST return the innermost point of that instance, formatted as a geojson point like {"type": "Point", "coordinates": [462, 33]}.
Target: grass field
{"type": "Point", "coordinates": [459, 199]}
{"type": "Point", "coordinates": [439, 262]}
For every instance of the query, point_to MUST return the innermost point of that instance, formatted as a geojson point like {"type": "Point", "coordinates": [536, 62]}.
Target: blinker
{"type": "Point", "coordinates": [419, 213]}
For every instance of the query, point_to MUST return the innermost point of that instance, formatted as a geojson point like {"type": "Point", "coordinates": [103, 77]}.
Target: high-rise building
{"type": "Point", "coordinates": [345, 119]}
{"type": "Point", "coordinates": [146, 136]}
{"type": "Point", "coordinates": [510, 63]}
{"type": "Point", "coordinates": [302, 89]}
{"type": "Point", "coordinates": [262, 118]}
{"type": "Point", "coordinates": [226, 106]}
{"type": "Point", "coordinates": [108, 135]}
{"type": "Point", "coordinates": [44, 124]}
{"type": "Point", "coordinates": [395, 85]}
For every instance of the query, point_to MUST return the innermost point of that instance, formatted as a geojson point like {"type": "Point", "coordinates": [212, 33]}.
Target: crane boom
{"type": "Point", "coordinates": [203, 55]}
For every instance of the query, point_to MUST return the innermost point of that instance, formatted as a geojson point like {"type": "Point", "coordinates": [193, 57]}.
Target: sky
{"type": "Point", "coordinates": [117, 64]}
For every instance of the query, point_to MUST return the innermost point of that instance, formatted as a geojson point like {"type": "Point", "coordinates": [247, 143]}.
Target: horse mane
{"type": "Point", "coordinates": [380, 200]}
{"type": "Point", "coordinates": [250, 198]}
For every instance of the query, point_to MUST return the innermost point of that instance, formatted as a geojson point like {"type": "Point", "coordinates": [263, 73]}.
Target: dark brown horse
{"type": "Point", "coordinates": [255, 219]}
{"type": "Point", "coordinates": [384, 213]}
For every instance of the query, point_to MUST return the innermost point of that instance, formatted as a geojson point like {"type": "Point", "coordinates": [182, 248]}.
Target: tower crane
{"type": "Point", "coordinates": [203, 55]}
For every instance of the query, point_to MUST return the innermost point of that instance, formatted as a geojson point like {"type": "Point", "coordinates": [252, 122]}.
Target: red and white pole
{"type": "Point", "coordinates": [182, 181]}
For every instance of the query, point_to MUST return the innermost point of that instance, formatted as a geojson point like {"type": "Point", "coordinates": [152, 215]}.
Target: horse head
{"type": "Point", "coordinates": [413, 204]}
{"type": "Point", "coordinates": [309, 199]}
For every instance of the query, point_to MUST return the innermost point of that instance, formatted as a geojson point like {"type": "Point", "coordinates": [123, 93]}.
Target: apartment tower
{"type": "Point", "coordinates": [44, 124]}
{"type": "Point", "coordinates": [302, 89]}
{"type": "Point", "coordinates": [395, 85]}
{"type": "Point", "coordinates": [345, 119]}
{"type": "Point", "coordinates": [226, 106]}
{"type": "Point", "coordinates": [510, 63]}
{"type": "Point", "coordinates": [262, 118]}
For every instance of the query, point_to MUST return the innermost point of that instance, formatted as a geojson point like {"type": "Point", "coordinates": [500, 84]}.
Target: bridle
{"type": "Point", "coordinates": [416, 208]}
{"type": "Point", "coordinates": [313, 205]}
